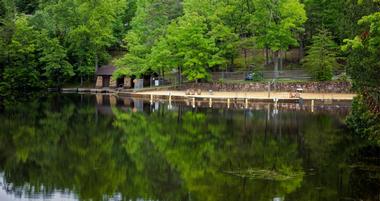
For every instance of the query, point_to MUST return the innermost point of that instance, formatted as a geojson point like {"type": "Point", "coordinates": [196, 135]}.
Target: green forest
{"type": "Point", "coordinates": [48, 43]}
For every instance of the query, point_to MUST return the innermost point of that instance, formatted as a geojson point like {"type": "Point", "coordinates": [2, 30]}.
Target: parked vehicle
{"type": "Point", "coordinates": [249, 77]}
{"type": "Point", "coordinates": [254, 76]}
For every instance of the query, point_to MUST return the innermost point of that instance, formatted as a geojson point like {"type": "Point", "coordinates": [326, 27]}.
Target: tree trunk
{"type": "Point", "coordinates": [281, 60]}
{"type": "Point", "coordinates": [96, 63]}
{"type": "Point", "coordinates": [245, 58]}
{"type": "Point", "coordinates": [179, 75]}
{"type": "Point", "coordinates": [232, 64]}
{"type": "Point", "coordinates": [266, 55]}
{"type": "Point", "coordinates": [301, 51]}
{"type": "Point", "coordinates": [276, 63]}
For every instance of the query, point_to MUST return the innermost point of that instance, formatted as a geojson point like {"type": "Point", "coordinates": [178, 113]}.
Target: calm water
{"type": "Point", "coordinates": [78, 147]}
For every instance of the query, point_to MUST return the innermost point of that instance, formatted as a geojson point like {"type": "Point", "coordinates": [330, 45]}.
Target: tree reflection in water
{"type": "Point", "coordinates": [131, 150]}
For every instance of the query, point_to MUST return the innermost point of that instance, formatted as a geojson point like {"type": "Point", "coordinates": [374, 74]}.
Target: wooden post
{"type": "Point", "coordinates": [268, 89]}
{"type": "Point", "coordinates": [275, 102]}
{"type": "Point", "coordinates": [99, 99]}
{"type": "Point", "coordinates": [210, 103]}
{"type": "Point", "coordinates": [170, 98]}
{"type": "Point", "coordinates": [113, 100]}
{"type": "Point", "coordinates": [193, 103]}
{"type": "Point", "coordinates": [312, 105]}
{"type": "Point", "coordinates": [228, 103]}
{"type": "Point", "coordinates": [246, 103]}
{"type": "Point", "coordinates": [151, 99]}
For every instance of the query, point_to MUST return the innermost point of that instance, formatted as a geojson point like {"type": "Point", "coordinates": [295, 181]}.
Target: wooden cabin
{"type": "Point", "coordinates": [105, 79]}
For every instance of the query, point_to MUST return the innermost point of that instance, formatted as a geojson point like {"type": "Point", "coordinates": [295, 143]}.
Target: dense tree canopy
{"type": "Point", "coordinates": [321, 58]}
{"type": "Point", "coordinates": [49, 43]}
{"type": "Point", "coordinates": [364, 68]}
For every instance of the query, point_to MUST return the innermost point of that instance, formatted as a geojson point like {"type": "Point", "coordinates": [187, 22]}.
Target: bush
{"type": "Point", "coordinates": [363, 122]}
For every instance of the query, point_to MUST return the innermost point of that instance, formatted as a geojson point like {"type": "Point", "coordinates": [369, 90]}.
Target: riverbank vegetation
{"type": "Point", "coordinates": [49, 43]}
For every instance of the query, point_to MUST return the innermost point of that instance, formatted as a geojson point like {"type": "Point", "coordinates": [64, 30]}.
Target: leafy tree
{"type": "Point", "coordinates": [339, 17]}
{"type": "Point", "coordinates": [54, 61]}
{"type": "Point", "coordinates": [363, 121]}
{"type": "Point", "coordinates": [27, 6]}
{"type": "Point", "coordinates": [194, 50]}
{"type": "Point", "coordinates": [276, 22]}
{"type": "Point", "coordinates": [321, 57]}
{"type": "Point", "coordinates": [85, 29]}
{"type": "Point", "coordinates": [364, 68]}
{"type": "Point", "coordinates": [363, 52]}
{"type": "Point", "coordinates": [22, 71]}
{"type": "Point", "coordinates": [216, 14]}
{"type": "Point", "coordinates": [156, 52]}
{"type": "Point", "coordinates": [149, 24]}
{"type": "Point", "coordinates": [161, 58]}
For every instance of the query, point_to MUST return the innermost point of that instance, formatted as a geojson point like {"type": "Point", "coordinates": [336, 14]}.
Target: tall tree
{"type": "Point", "coordinates": [321, 56]}
{"type": "Point", "coordinates": [149, 24]}
{"type": "Point", "coordinates": [220, 25]}
{"type": "Point", "coordinates": [363, 51]}
{"type": "Point", "coordinates": [85, 28]}
{"type": "Point", "coordinates": [54, 61]}
{"type": "Point", "coordinates": [364, 69]}
{"type": "Point", "coordinates": [339, 17]}
{"type": "Point", "coordinates": [27, 6]}
{"type": "Point", "coordinates": [194, 50]}
{"type": "Point", "coordinates": [276, 23]}
{"type": "Point", "coordinates": [21, 70]}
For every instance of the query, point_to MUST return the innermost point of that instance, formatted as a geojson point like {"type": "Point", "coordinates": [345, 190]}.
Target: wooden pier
{"type": "Point", "coordinates": [243, 96]}
{"type": "Point", "coordinates": [247, 99]}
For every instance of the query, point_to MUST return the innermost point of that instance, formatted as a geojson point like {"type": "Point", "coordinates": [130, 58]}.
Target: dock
{"type": "Point", "coordinates": [226, 98]}
{"type": "Point", "coordinates": [249, 96]}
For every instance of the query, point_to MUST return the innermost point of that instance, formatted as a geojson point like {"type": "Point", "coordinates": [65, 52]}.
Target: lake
{"type": "Point", "coordinates": [66, 147]}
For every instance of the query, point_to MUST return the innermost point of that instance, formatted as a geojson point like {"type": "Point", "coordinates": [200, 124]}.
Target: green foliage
{"type": "Point", "coordinates": [54, 61]}
{"type": "Point", "coordinates": [149, 24]}
{"type": "Point", "coordinates": [321, 58]}
{"type": "Point", "coordinates": [339, 17]}
{"type": "Point", "coordinates": [86, 29]}
{"type": "Point", "coordinates": [22, 71]}
{"type": "Point", "coordinates": [363, 50]}
{"type": "Point", "coordinates": [84, 33]}
{"type": "Point", "coordinates": [60, 40]}
{"type": "Point", "coordinates": [277, 22]}
{"type": "Point", "coordinates": [364, 69]}
{"type": "Point", "coordinates": [27, 6]}
{"type": "Point", "coordinates": [194, 50]}
{"type": "Point", "coordinates": [282, 175]}
{"type": "Point", "coordinates": [169, 154]}
{"type": "Point", "coordinates": [194, 42]}
{"type": "Point", "coordinates": [363, 121]}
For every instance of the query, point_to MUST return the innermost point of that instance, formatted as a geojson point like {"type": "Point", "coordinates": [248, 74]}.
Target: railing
{"type": "Point", "coordinates": [285, 74]}
{"type": "Point", "coordinates": [299, 74]}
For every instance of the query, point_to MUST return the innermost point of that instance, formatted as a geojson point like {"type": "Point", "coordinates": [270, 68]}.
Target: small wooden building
{"type": "Point", "coordinates": [104, 79]}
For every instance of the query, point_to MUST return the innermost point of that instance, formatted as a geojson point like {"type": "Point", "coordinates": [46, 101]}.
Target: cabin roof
{"type": "Point", "coordinates": [106, 70]}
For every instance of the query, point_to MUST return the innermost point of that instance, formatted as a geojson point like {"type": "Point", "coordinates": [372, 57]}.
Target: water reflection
{"type": "Point", "coordinates": [84, 147]}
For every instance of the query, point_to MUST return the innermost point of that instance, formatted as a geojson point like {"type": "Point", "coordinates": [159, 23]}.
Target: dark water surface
{"type": "Point", "coordinates": [78, 147]}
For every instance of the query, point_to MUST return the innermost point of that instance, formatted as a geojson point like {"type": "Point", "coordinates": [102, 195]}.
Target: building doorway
{"type": "Point", "coordinates": [106, 81]}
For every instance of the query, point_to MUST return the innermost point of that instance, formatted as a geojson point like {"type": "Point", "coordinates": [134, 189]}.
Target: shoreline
{"type": "Point", "coordinates": [259, 96]}
{"type": "Point", "coordinates": [262, 96]}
